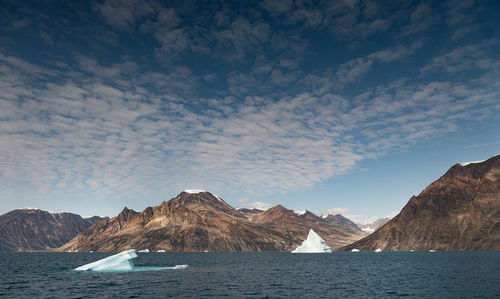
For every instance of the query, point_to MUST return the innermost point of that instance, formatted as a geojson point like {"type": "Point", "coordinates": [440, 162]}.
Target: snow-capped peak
{"type": "Point", "coordinates": [473, 162]}
{"type": "Point", "coordinates": [194, 191]}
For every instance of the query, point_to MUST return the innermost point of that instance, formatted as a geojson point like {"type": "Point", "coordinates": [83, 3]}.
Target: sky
{"type": "Point", "coordinates": [344, 107]}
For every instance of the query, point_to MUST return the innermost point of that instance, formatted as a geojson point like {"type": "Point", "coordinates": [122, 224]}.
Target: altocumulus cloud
{"type": "Point", "coordinates": [117, 139]}
{"type": "Point", "coordinates": [259, 110]}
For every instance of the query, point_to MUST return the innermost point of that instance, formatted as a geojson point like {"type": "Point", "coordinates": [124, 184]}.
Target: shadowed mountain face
{"type": "Point", "coordinates": [32, 229]}
{"type": "Point", "coordinates": [199, 221]}
{"type": "Point", "coordinates": [459, 211]}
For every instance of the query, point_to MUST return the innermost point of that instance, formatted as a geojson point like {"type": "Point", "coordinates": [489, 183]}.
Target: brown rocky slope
{"type": "Point", "coordinates": [337, 231]}
{"type": "Point", "coordinates": [460, 211]}
{"type": "Point", "coordinates": [192, 221]}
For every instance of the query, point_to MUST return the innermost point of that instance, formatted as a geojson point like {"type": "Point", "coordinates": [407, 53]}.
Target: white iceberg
{"type": "Point", "coordinates": [161, 250]}
{"type": "Point", "coordinates": [432, 250]}
{"type": "Point", "coordinates": [378, 250]}
{"type": "Point", "coordinates": [313, 244]}
{"type": "Point", "coordinates": [143, 251]}
{"type": "Point", "coordinates": [355, 250]}
{"type": "Point", "coordinates": [122, 262]}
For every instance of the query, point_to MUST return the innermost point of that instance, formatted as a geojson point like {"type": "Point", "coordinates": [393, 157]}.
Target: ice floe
{"type": "Point", "coordinates": [378, 250]}
{"type": "Point", "coordinates": [122, 262]}
{"type": "Point", "coordinates": [143, 251]}
{"type": "Point", "coordinates": [355, 250]}
{"type": "Point", "coordinates": [313, 244]}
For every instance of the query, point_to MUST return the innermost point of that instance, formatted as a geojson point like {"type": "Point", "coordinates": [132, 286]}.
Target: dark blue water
{"type": "Point", "coordinates": [257, 275]}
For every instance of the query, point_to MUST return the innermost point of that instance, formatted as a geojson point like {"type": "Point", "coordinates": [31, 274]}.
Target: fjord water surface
{"type": "Point", "coordinates": [257, 275]}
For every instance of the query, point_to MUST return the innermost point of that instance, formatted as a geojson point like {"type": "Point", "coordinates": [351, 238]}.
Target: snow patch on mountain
{"type": "Point", "coordinates": [194, 191]}
{"type": "Point", "coordinates": [473, 162]}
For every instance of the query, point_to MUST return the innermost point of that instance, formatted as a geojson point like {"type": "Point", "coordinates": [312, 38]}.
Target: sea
{"type": "Point", "coordinates": [257, 275]}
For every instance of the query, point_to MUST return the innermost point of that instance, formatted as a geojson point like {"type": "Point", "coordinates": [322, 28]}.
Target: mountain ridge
{"type": "Point", "coordinates": [39, 230]}
{"type": "Point", "coordinates": [460, 211]}
{"type": "Point", "coordinates": [199, 221]}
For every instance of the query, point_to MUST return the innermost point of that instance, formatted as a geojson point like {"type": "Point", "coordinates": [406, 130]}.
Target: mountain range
{"type": "Point", "coordinates": [34, 229]}
{"type": "Point", "coordinates": [201, 221]}
{"type": "Point", "coordinates": [459, 211]}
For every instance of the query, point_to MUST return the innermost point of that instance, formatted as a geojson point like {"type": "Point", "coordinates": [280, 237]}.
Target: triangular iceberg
{"type": "Point", "coordinates": [122, 262]}
{"type": "Point", "coordinates": [313, 244]}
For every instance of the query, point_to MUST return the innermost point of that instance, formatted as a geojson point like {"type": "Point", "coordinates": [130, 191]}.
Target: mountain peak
{"type": "Point", "coordinates": [204, 199]}
{"type": "Point", "coordinates": [277, 215]}
{"type": "Point", "coordinates": [194, 191]}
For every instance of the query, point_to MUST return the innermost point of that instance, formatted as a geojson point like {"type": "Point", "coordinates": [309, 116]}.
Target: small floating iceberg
{"type": "Point", "coordinates": [355, 250]}
{"type": "Point", "coordinates": [122, 262]}
{"type": "Point", "coordinates": [432, 250]}
{"type": "Point", "coordinates": [143, 251]}
{"type": "Point", "coordinates": [313, 244]}
{"type": "Point", "coordinates": [378, 250]}
{"type": "Point", "coordinates": [161, 250]}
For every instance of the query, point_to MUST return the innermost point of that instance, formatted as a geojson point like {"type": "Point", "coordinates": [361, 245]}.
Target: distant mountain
{"type": "Point", "coordinates": [459, 211]}
{"type": "Point", "coordinates": [200, 221]}
{"type": "Point", "coordinates": [249, 212]}
{"type": "Point", "coordinates": [34, 230]}
{"type": "Point", "coordinates": [341, 221]}
{"type": "Point", "coordinates": [373, 226]}
{"type": "Point", "coordinates": [334, 231]}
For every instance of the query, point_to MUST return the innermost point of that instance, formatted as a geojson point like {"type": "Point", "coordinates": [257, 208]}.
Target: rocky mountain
{"type": "Point", "coordinates": [459, 211]}
{"type": "Point", "coordinates": [341, 221]}
{"type": "Point", "coordinates": [374, 225]}
{"type": "Point", "coordinates": [334, 231]}
{"type": "Point", "coordinates": [196, 220]}
{"type": "Point", "coordinates": [36, 230]}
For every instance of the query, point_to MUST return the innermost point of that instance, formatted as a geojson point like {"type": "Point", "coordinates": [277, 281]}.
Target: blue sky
{"type": "Point", "coordinates": [341, 106]}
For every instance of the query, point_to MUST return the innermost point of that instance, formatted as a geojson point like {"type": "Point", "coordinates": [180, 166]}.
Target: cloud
{"type": "Point", "coordinates": [123, 14]}
{"type": "Point", "coordinates": [243, 101]}
{"type": "Point", "coordinates": [356, 68]}
{"type": "Point", "coordinates": [278, 7]}
{"type": "Point", "coordinates": [255, 205]}
{"type": "Point", "coordinates": [21, 23]}
{"type": "Point", "coordinates": [353, 70]}
{"type": "Point", "coordinates": [422, 17]}
{"type": "Point", "coordinates": [465, 58]}
{"type": "Point", "coordinates": [111, 136]}
{"type": "Point", "coordinates": [240, 37]}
